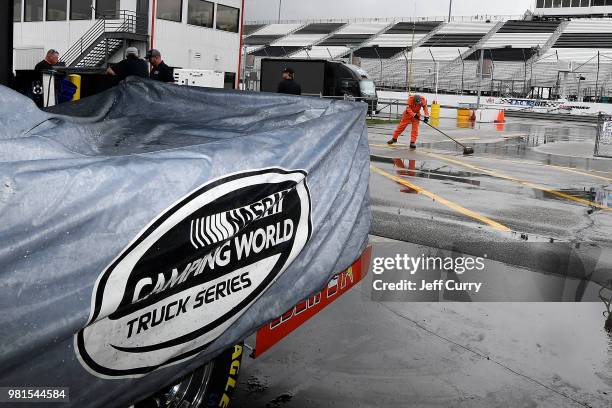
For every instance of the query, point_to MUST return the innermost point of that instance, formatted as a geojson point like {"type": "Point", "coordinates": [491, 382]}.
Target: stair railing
{"type": "Point", "coordinates": [124, 21]}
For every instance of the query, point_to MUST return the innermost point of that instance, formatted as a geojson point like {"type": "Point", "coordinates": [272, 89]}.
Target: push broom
{"type": "Point", "coordinates": [466, 149]}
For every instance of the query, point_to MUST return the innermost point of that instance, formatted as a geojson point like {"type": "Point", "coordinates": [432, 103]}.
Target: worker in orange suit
{"type": "Point", "coordinates": [412, 114]}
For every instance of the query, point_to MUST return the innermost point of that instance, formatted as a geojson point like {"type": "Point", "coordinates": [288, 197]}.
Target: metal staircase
{"type": "Point", "coordinates": [105, 38]}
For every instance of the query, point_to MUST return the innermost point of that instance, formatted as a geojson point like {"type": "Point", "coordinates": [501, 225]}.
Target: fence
{"type": "Point", "coordinates": [603, 139]}
{"type": "Point", "coordinates": [477, 18]}
{"type": "Point", "coordinates": [589, 80]}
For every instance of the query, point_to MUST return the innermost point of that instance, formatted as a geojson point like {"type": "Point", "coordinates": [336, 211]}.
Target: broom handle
{"type": "Point", "coordinates": [433, 127]}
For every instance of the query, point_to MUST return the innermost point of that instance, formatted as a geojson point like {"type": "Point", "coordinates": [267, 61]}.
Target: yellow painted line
{"type": "Point", "coordinates": [523, 182]}
{"type": "Point", "coordinates": [465, 139]}
{"type": "Point", "coordinates": [568, 169]}
{"type": "Point", "coordinates": [388, 146]}
{"type": "Point", "coordinates": [441, 200]}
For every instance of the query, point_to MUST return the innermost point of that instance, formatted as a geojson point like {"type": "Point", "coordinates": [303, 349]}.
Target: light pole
{"type": "Point", "coordinates": [481, 64]}
{"type": "Point", "coordinates": [280, 4]}
{"type": "Point", "coordinates": [450, 9]}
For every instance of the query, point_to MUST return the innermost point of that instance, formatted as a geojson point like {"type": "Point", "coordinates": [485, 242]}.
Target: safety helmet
{"type": "Point", "coordinates": [417, 99]}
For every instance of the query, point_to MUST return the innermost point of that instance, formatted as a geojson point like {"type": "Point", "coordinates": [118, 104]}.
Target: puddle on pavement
{"type": "Point", "coordinates": [410, 168]}
{"type": "Point", "coordinates": [532, 134]}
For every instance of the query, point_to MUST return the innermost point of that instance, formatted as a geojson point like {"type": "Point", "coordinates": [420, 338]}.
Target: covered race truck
{"type": "Point", "coordinates": [148, 230]}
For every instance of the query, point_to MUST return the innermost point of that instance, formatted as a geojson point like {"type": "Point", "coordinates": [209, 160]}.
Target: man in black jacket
{"type": "Point", "coordinates": [51, 59]}
{"type": "Point", "coordinates": [131, 65]}
{"type": "Point", "coordinates": [159, 71]}
{"type": "Point", "coordinates": [288, 84]}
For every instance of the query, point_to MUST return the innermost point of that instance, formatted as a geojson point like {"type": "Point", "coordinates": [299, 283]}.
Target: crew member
{"type": "Point", "coordinates": [288, 84]}
{"type": "Point", "coordinates": [412, 114]}
{"type": "Point", "coordinates": [51, 59]}
{"type": "Point", "coordinates": [131, 65]}
{"type": "Point", "coordinates": [159, 71]}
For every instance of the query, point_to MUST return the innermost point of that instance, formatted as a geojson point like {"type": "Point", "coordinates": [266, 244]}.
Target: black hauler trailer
{"type": "Point", "coordinates": [318, 77]}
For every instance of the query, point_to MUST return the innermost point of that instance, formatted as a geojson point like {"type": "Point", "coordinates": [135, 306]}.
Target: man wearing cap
{"type": "Point", "coordinates": [412, 115]}
{"type": "Point", "coordinates": [51, 59]}
{"type": "Point", "coordinates": [130, 66]}
{"type": "Point", "coordinates": [159, 71]}
{"type": "Point", "coordinates": [288, 84]}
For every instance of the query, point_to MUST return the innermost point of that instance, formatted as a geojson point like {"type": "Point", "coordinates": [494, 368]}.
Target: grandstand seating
{"type": "Point", "coordinates": [585, 33]}
{"type": "Point", "coordinates": [522, 53]}
{"type": "Point", "coordinates": [249, 29]}
{"type": "Point", "coordinates": [462, 35]}
{"type": "Point", "coordinates": [396, 39]}
{"type": "Point", "coordinates": [340, 43]}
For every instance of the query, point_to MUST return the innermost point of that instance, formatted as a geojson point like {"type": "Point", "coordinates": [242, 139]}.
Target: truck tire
{"type": "Point", "coordinates": [211, 385]}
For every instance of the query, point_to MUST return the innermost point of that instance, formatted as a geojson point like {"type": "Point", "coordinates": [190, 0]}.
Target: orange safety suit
{"type": "Point", "coordinates": [412, 108]}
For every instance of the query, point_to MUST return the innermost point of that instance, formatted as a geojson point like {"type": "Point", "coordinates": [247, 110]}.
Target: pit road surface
{"type": "Point", "coordinates": [530, 185]}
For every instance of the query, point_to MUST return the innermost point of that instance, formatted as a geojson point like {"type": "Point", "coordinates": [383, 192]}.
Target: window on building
{"type": "Point", "coordinates": [170, 10]}
{"type": "Point", "coordinates": [56, 10]}
{"type": "Point", "coordinates": [16, 10]}
{"type": "Point", "coordinates": [33, 10]}
{"type": "Point", "coordinates": [540, 4]}
{"type": "Point", "coordinates": [556, 3]}
{"type": "Point", "coordinates": [575, 3]}
{"type": "Point", "coordinates": [228, 18]}
{"type": "Point", "coordinates": [200, 13]}
{"type": "Point", "coordinates": [80, 9]}
{"type": "Point", "coordinates": [547, 3]}
{"type": "Point", "coordinates": [585, 3]}
{"type": "Point", "coordinates": [598, 3]}
{"type": "Point", "coordinates": [107, 8]}
{"type": "Point", "coordinates": [565, 3]}
{"type": "Point", "coordinates": [608, 2]}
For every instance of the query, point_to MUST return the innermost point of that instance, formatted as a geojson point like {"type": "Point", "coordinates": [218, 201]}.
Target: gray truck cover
{"type": "Point", "coordinates": [145, 229]}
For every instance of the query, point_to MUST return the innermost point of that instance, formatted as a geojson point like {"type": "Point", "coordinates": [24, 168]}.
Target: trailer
{"type": "Point", "coordinates": [323, 78]}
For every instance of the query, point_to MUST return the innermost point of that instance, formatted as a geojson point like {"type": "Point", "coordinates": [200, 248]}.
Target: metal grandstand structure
{"type": "Point", "coordinates": [569, 58]}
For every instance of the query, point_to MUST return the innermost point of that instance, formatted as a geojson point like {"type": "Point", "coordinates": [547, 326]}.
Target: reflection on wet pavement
{"type": "Point", "coordinates": [514, 139]}
{"type": "Point", "coordinates": [395, 353]}
{"type": "Point", "coordinates": [409, 168]}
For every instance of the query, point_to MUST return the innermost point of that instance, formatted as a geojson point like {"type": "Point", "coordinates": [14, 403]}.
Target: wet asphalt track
{"type": "Point", "coordinates": [531, 189]}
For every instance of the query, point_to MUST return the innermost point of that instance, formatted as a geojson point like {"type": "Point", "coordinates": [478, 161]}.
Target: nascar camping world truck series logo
{"type": "Point", "coordinates": [193, 271]}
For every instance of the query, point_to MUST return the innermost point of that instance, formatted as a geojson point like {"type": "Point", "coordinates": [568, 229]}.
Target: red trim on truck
{"type": "Point", "coordinates": [240, 49]}
{"type": "Point", "coordinates": [339, 284]}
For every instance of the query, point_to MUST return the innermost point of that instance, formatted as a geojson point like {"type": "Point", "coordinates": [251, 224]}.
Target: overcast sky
{"type": "Point", "coordinates": [313, 9]}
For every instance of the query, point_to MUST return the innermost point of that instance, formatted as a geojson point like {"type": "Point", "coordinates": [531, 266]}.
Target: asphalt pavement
{"type": "Point", "coordinates": [530, 194]}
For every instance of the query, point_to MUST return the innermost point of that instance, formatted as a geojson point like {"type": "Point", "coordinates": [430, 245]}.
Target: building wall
{"type": "Point", "coordinates": [187, 46]}
{"type": "Point", "coordinates": [181, 44]}
{"type": "Point", "coordinates": [59, 35]}
{"type": "Point", "coordinates": [569, 11]}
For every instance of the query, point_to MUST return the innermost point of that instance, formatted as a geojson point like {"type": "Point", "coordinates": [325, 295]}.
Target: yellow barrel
{"type": "Point", "coordinates": [435, 110]}
{"type": "Point", "coordinates": [463, 114]}
{"type": "Point", "coordinates": [76, 80]}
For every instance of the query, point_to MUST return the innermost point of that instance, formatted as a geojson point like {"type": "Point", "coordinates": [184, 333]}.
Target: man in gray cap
{"type": "Point", "coordinates": [159, 71]}
{"type": "Point", "coordinates": [131, 65]}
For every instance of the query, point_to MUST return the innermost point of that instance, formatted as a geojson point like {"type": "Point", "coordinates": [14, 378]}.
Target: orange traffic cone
{"type": "Point", "coordinates": [501, 117]}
